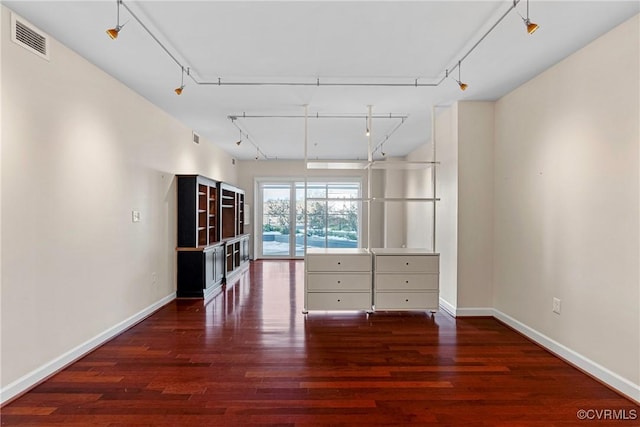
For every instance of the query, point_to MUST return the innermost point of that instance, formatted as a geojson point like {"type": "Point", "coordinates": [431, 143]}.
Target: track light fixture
{"type": "Point", "coordinates": [178, 90]}
{"type": "Point", "coordinates": [113, 32]}
{"type": "Point", "coordinates": [463, 86]}
{"type": "Point", "coordinates": [367, 131]}
{"type": "Point", "coordinates": [240, 140]}
{"type": "Point", "coordinates": [531, 26]}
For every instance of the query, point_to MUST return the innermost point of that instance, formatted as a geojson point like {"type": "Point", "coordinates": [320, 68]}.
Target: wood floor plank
{"type": "Point", "coordinates": [250, 357]}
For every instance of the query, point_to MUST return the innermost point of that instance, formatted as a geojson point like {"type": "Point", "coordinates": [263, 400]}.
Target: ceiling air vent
{"type": "Point", "coordinates": [196, 138]}
{"type": "Point", "coordinates": [29, 37]}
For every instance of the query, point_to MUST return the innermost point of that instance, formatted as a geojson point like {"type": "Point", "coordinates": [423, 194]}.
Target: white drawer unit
{"type": "Point", "coordinates": [407, 300]}
{"type": "Point", "coordinates": [339, 301]}
{"type": "Point", "coordinates": [337, 279]}
{"type": "Point", "coordinates": [317, 282]}
{"type": "Point", "coordinates": [405, 279]}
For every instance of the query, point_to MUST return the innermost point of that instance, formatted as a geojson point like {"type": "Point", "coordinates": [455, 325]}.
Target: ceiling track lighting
{"type": "Point", "coordinates": [247, 138]}
{"type": "Point", "coordinates": [463, 86]}
{"type": "Point", "coordinates": [113, 32]}
{"type": "Point", "coordinates": [316, 116]}
{"type": "Point", "coordinates": [367, 131]}
{"type": "Point", "coordinates": [179, 90]}
{"type": "Point", "coordinates": [531, 26]}
{"type": "Point", "coordinates": [380, 145]}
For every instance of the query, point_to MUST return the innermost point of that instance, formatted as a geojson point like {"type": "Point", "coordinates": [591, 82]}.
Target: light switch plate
{"type": "Point", "coordinates": [135, 216]}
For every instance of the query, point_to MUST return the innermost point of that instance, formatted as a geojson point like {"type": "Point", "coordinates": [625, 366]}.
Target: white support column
{"type": "Point", "coordinates": [306, 174]}
{"type": "Point", "coordinates": [433, 173]}
{"type": "Point", "coordinates": [369, 176]}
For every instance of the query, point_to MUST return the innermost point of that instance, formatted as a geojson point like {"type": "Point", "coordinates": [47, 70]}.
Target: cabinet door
{"type": "Point", "coordinates": [218, 263]}
{"type": "Point", "coordinates": [228, 254]}
{"type": "Point", "coordinates": [209, 268]}
{"type": "Point", "coordinates": [245, 249]}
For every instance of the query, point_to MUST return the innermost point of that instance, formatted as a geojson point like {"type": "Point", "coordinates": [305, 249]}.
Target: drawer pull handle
{"type": "Point", "coordinates": [338, 262]}
{"type": "Point", "coordinates": [338, 300]}
{"type": "Point", "coordinates": [406, 281]}
{"type": "Point", "coordinates": [339, 282]}
{"type": "Point", "coordinates": [407, 263]}
{"type": "Point", "coordinates": [407, 300]}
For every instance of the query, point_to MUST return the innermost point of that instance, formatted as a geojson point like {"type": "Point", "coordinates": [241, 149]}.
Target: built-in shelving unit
{"type": "Point", "coordinates": [212, 246]}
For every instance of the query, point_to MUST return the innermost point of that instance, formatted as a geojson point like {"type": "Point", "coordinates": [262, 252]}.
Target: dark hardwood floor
{"type": "Point", "coordinates": [250, 357]}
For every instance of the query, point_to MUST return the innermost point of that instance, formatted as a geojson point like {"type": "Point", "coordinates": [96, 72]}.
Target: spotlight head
{"type": "Point", "coordinates": [463, 86]}
{"type": "Point", "coordinates": [113, 32]}
{"type": "Point", "coordinates": [531, 26]}
{"type": "Point", "coordinates": [178, 91]}
{"type": "Point", "coordinates": [383, 154]}
{"type": "Point", "coordinates": [367, 133]}
{"type": "Point", "coordinates": [238, 142]}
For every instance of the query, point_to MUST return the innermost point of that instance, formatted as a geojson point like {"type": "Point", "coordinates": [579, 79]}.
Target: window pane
{"type": "Point", "coordinates": [343, 190]}
{"type": "Point", "coordinates": [315, 190]}
{"type": "Point", "coordinates": [275, 219]}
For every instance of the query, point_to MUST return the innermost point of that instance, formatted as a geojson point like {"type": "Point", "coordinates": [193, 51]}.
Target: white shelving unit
{"type": "Point", "coordinates": [394, 278]}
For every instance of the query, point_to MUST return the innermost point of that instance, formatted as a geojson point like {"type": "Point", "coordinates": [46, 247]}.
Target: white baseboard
{"type": "Point", "coordinates": [608, 377]}
{"type": "Point", "coordinates": [448, 307]}
{"type": "Point", "coordinates": [465, 312]}
{"type": "Point", "coordinates": [475, 312]}
{"type": "Point", "coordinates": [34, 377]}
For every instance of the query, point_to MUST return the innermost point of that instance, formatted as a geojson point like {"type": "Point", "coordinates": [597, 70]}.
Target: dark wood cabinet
{"type": "Point", "coordinates": [211, 245]}
{"type": "Point", "coordinates": [236, 254]}
{"type": "Point", "coordinates": [198, 220]}
{"type": "Point", "coordinates": [231, 211]}
{"type": "Point", "coordinates": [200, 271]}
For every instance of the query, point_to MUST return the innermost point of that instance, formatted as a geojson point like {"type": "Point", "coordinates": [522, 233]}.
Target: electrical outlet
{"type": "Point", "coordinates": [556, 305]}
{"type": "Point", "coordinates": [135, 216]}
{"type": "Point", "coordinates": [154, 278]}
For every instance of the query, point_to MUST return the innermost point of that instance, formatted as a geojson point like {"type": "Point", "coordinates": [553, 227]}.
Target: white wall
{"type": "Point", "coordinates": [447, 207]}
{"type": "Point", "coordinates": [475, 204]}
{"type": "Point", "coordinates": [464, 215]}
{"type": "Point", "coordinates": [567, 198]}
{"type": "Point", "coordinates": [80, 151]}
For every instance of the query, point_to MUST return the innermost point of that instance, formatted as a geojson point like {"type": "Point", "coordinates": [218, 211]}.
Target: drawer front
{"type": "Point", "coordinates": [406, 301]}
{"type": "Point", "coordinates": [339, 301]}
{"type": "Point", "coordinates": [393, 282]}
{"type": "Point", "coordinates": [407, 263]}
{"type": "Point", "coordinates": [338, 282]}
{"type": "Point", "coordinates": [337, 263]}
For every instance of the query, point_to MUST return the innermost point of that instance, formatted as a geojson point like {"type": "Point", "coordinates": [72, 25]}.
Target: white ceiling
{"type": "Point", "coordinates": [385, 42]}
